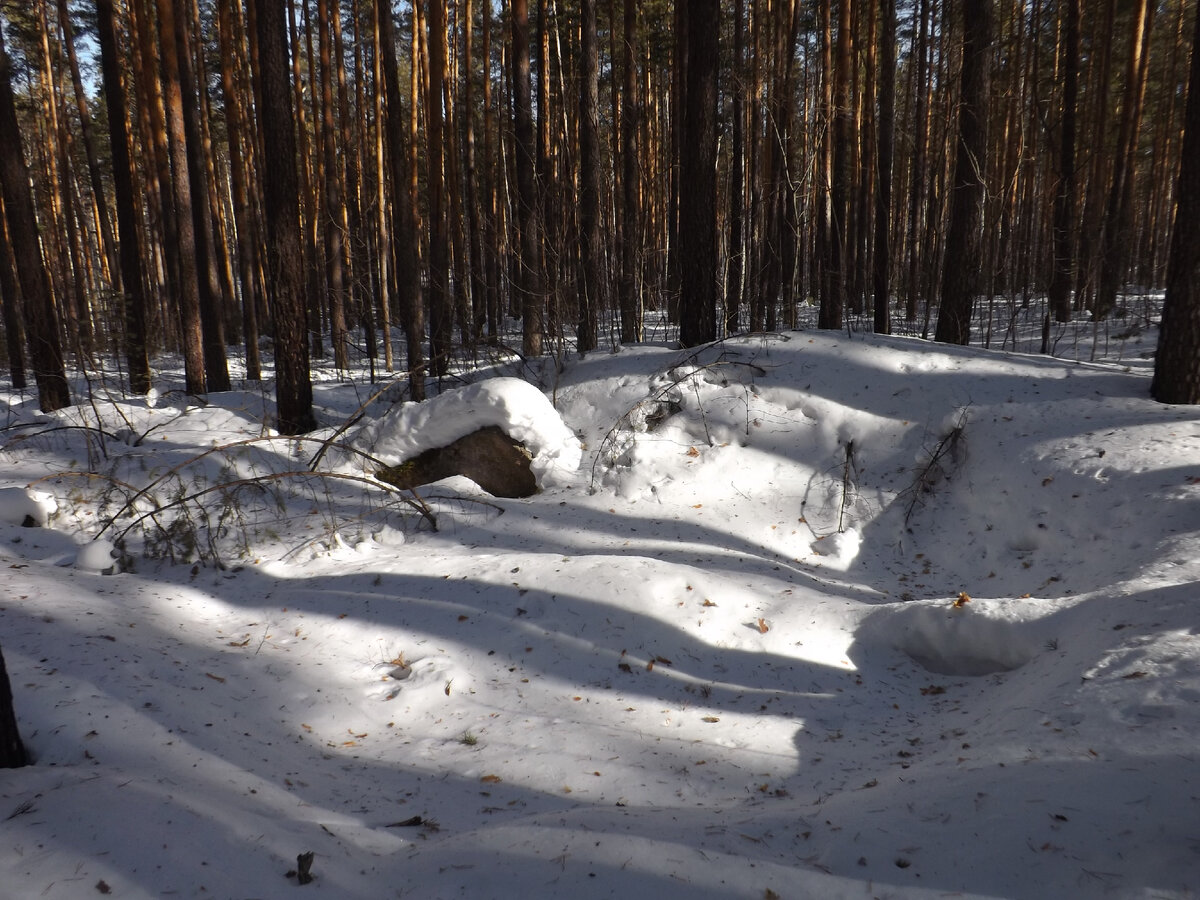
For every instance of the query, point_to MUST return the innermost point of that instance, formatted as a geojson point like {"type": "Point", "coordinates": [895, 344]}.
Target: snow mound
{"type": "Point", "coordinates": [975, 638]}
{"type": "Point", "coordinates": [95, 556]}
{"type": "Point", "coordinates": [21, 506]}
{"type": "Point", "coordinates": [515, 406]}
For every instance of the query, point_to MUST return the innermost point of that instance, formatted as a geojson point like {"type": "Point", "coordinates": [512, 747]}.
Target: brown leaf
{"type": "Point", "coordinates": [962, 600]}
{"type": "Point", "coordinates": [491, 779]}
{"type": "Point", "coordinates": [214, 677]}
{"type": "Point", "coordinates": [102, 887]}
{"type": "Point", "coordinates": [763, 627]}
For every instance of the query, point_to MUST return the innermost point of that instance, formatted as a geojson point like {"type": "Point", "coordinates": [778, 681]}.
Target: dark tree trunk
{"type": "Point", "coordinates": [133, 280]}
{"type": "Point", "coordinates": [885, 126]}
{"type": "Point", "coordinates": [698, 179]}
{"type": "Point", "coordinates": [333, 208]}
{"type": "Point", "coordinates": [1117, 231]}
{"type": "Point", "coordinates": [1064, 197]}
{"type": "Point", "coordinates": [41, 319]}
{"type": "Point", "coordinates": [833, 298]}
{"type": "Point", "coordinates": [960, 276]}
{"type": "Point", "coordinates": [593, 293]}
{"type": "Point", "coordinates": [285, 257]}
{"type": "Point", "coordinates": [12, 750]}
{"type": "Point", "coordinates": [89, 141]}
{"type": "Point", "coordinates": [212, 319]}
{"type": "Point", "coordinates": [441, 308]}
{"type": "Point", "coordinates": [10, 299]}
{"type": "Point", "coordinates": [244, 222]}
{"type": "Point", "coordinates": [412, 311]}
{"type": "Point", "coordinates": [1177, 366]}
{"type": "Point", "coordinates": [737, 174]}
{"type": "Point", "coordinates": [529, 266]}
{"type": "Point", "coordinates": [630, 238]}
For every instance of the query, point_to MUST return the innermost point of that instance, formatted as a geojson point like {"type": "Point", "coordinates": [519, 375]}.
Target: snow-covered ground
{"type": "Point", "coordinates": [799, 616]}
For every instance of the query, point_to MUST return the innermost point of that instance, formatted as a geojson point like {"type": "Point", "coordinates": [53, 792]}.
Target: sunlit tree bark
{"type": "Point", "coordinates": [130, 256]}
{"type": "Point", "coordinates": [41, 318]}
{"type": "Point", "coordinates": [285, 258]}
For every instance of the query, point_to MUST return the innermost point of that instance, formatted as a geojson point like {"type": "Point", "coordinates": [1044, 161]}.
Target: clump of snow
{"type": "Point", "coordinates": [518, 408]}
{"type": "Point", "coordinates": [976, 637]}
{"type": "Point", "coordinates": [838, 550]}
{"type": "Point", "coordinates": [22, 506]}
{"type": "Point", "coordinates": [95, 556]}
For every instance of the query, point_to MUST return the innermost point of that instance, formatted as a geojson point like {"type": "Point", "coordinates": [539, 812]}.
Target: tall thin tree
{"type": "Point", "coordinates": [593, 290]}
{"type": "Point", "coordinates": [885, 127]}
{"type": "Point", "coordinates": [285, 257]}
{"type": "Point", "coordinates": [41, 318]}
{"type": "Point", "coordinates": [441, 314]}
{"type": "Point", "coordinates": [1177, 365]}
{"type": "Point", "coordinates": [698, 172]}
{"type": "Point", "coordinates": [960, 276]}
{"type": "Point", "coordinates": [133, 279]}
{"type": "Point", "coordinates": [1064, 195]}
{"type": "Point", "coordinates": [412, 311]}
{"type": "Point", "coordinates": [530, 265]}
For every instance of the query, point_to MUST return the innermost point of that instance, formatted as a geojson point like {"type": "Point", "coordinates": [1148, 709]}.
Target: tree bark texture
{"type": "Point", "coordinates": [41, 318]}
{"type": "Point", "coordinates": [961, 275]}
{"type": "Point", "coordinates": [698, 244]}
{"type": "Point", "coordinates": [285, 258]}
{"type": "Point", "coordinates": [12, 749]}
{"type": "Point", "coordinates": [1177, 365]}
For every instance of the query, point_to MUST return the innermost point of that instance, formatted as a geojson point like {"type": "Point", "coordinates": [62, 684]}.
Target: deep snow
{"type": "Point", "coordinates": [802, 615]}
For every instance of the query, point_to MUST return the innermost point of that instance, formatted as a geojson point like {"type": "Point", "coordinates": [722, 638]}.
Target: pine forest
{"type": "Point", "coordinates": [415, 187]}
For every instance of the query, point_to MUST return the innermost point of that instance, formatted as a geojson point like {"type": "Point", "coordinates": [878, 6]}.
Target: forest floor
{"type": "Point", "coordinates": [801, 615]}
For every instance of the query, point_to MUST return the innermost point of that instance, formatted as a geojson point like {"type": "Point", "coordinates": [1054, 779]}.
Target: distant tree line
{"type": "Point", "coordinates": [323, 176]}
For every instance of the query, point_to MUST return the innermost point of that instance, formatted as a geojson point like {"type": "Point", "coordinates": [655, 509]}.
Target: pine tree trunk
{"type": "Point", "coordinates": [285, 257]}
{"type": "Point", "coordinates": [471, 192]}
{"type": "Point", "coordinates": [1064, 196]}
{"type": "Point", "coordinates": [441, 314]}
{"type": "Point", "coordinates": [130, 252]}
{"type": "Point", "coordinates": [86, 131]}
{"type": "Point", "coordinates": [332, 210]}
{"type": "Point", "coordinates": [1118, 229]}
{"type": "Point", "coordinates": [1177, 365]}
{"type": "Point", "coordinates": [412, 311]}
{"type": "Point", "coordinates": [960, 278]}
{"type": "Point", "coordinates": [10, 303]}
{"type": "Point", "coordinates": [529, 282]}
{"type": "Point", "coordinates": [183, 244]}
{"type": "Point", "coordinates": [737, 174]}
{"type": "Point", "coordinates": [12, 750]}
{"type": "Point", "coordinates": [593, 293]}
{"type": "Point", "coordinates": [885, 131]}
{"type": "Point", "coordinates": [244, 224]}
{"type": "Point", "coordinates": [41, 319]}
{"type": "Point", "coordinates": [698, 245]}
